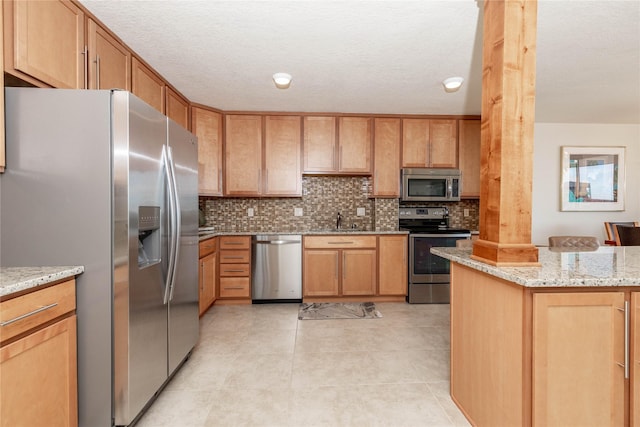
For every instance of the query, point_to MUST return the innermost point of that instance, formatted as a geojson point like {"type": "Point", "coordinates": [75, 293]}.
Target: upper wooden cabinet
{"type": "Point", "coordinates": [429, 143]}
{"type": "Point", "coordinates": [44, 43]}
{"type": "Point", "coordinates": [469, 158]}
{"type": "Point", "coordinates": [147, 85]}
{"type": "Point", "coordinates": [177, 108]}
{"type": "Point", "coordinates": [282, 157]}
{"type": "Point", "coordinates": [386, 149]}
{"type": "Point", "coordinates": [345, 152]}
{"type": "Point", "coordinates": [319, 144]}
{"type": "Point", "coordinates": [109, 60]}
{"type": "Point", "coordinates": [207, 126]}
{"type": "Point", "coordinates": [243, 155]}
{"type": "Point", "coordinates": [354, 143]}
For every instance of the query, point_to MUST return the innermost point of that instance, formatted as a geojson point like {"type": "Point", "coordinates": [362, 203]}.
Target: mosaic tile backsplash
{"type": "Point", "coordinates": [322, 199]}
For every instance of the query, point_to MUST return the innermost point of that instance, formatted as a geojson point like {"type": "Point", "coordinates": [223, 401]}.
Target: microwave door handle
{"type": "Point", "coordinates": [449, 188]}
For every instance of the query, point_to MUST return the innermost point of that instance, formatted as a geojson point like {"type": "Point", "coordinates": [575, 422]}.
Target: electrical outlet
{"type": "Point", "coordinates": [360, 212]}
{"type": "Point", "coordinates": [297, 211]}
{"type": "Point", "coordinates": [250, 212]}
{"type": "Point", "coordinates": [466, 212]}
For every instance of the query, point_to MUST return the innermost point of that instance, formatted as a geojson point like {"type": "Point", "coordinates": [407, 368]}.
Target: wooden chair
{"type": "Point", "coordinates": [612, 234]}
{"type": "Point", "coordinates": [628, 235]}
{"type": "Point", "coordinates": [574, 243]}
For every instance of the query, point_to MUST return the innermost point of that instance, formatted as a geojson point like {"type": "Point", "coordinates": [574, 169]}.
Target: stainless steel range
{"type": "Point", "coordinates": [428, 274]}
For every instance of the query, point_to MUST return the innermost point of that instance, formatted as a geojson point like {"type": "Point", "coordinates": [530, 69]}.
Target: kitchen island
{"type": "Point", "coordinates": [551, 345]}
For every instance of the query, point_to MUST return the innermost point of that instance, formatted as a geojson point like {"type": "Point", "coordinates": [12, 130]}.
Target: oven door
{"type": "Point", "coordinates": [424, 267]}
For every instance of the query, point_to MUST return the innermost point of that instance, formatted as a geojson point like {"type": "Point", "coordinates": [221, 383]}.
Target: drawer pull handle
{"type": "Point", "coordinates": [31, 313]}
{"type": "Point", "coordinates": [234, 257]}
{"type": "Point", "coordinates": [233, 243]}
{"type": "Point", "coordinates": [234, 287]}
{"type": "Point", "coordinates": [234, 271]}
{"type": "Point", "coordinates": [340, 243]}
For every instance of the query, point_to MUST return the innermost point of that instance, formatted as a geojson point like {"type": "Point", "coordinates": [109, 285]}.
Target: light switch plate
{"type": "Point", "coordinates": [466, 212]}
{"type": "Point", "coordinates": [250, 212]}
{"type": "Point", "coordinates": [297, 211]}
{"type": "Point", "coordinates": [359, 211]}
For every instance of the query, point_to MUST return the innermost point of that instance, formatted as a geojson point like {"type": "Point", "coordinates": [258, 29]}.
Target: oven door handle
{"type": "Point", "coordinates": [461, 235]}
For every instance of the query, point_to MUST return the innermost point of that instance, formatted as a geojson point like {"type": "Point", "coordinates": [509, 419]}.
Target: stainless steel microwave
{"type": "Point", "coordinates": [431, 185]}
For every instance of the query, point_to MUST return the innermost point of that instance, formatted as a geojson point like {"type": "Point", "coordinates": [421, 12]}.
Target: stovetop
{"type": "Point", "coordinates": [427, 220]}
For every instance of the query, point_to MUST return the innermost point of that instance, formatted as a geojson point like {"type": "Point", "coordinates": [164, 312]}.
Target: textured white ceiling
{"type": "Point", "coordinates": [379, 56]}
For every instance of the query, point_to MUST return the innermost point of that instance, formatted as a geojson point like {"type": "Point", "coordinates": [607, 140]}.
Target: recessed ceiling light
{"type": "Point", "coordinates": [452, 84]}
{"type": "Point", "coordinates": [282, 80]}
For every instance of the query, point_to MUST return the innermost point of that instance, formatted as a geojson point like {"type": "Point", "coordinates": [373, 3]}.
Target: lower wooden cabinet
{"type": "Point", "coordinates": [38, 366]}
{"type": "Point", "coordinates": [347, 265]}
{"type": "Point", "coordinates": [578, 359]}
{"type": "Point", "coordinates": [207, 273]}
{"type": "Point", "coordinates": [392, 265]}
{"type": "Point", "coordinates": [235, 269]}
{"type": "Point", "coordinates": [543, 357]}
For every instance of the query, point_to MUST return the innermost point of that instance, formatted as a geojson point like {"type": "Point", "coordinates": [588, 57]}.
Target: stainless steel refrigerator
{"type": "Point", "coordinates": [101, 179]}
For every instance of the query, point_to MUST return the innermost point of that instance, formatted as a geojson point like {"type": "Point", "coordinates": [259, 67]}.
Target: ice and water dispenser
{"type": "Point", "coordinates": [148, 236]}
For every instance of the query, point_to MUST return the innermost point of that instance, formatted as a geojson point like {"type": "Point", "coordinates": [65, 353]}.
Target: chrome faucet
{"type": "Point", "coordinates": [338, 221]}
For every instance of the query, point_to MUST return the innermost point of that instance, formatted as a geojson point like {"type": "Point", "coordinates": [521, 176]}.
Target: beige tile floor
{"type": "Point", "coordinates": [258, 365]}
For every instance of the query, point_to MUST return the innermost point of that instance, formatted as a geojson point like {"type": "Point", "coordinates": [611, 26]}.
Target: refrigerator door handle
{"type": "Point", "coordinates": [171, 223]}
{"type": "Point", "coordinates": [177, 215]}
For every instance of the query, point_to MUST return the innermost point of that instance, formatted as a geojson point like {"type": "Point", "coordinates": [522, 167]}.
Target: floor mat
{"type": "Point", "coordinates": [337, 310]}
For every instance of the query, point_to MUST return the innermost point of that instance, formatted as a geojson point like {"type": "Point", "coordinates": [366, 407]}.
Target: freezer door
{"type": "Point", "coordinates": [140, 315]}
{"type": "Point", "coordinates": [183, 304]}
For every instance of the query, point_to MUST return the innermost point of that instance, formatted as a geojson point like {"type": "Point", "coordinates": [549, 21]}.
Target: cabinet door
{"type": "Point", "coordinates": [634, 360]}
{"type": "Point", "coordinates": [578, 341]}
{"type": "Point", "coordinates": [38, 378]}
{"type": "Point", "coordinates": [243, 156]}
{"type": "Point", "coordinates": [392, 265]}
{"type": "Point", "coordinates": [386, 167]}
{"type": "Point", "coordinates": [282, 169]}
{"type": "Point", "coordinates": [207, 281]}
{"type": "Point", "coordinates": [319, 144]}
{"type": "Point", "coordinates": [320, 277]}
{"type": "Point", "coordinates": [443, 141]}
{"type": "Point", "coordinates": [415, 143]}
{"type": "Point", "coordinates": [48, 42]}
{"type": "Point", "coordinates": [207, 126]}
{"type": "Point", "coordinates": [109, 60]}
{"type": "Point", "coordinates": [354, 145]}
{"type": "Point", "coordinates": [469, 141]}
{"type": "Point", "coordinates": [147, 85]}
{"type": "Point", "coordinates": [177, 108]}
{"type": "Point", "coordinates": [359, 272]}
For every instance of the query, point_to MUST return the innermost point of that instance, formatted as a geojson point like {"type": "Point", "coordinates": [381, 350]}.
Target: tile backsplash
{"type": "Point", "coordinates": [322, 199]}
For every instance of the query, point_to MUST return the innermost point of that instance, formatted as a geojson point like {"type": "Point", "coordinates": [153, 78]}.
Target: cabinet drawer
{"type": "Point", "coordinates": [234, 257]}
{"type": "Point", "coordinates": [231, 270]}
{"type": "Point", "coordinates": [208, 246]}
{"type": "Point", "coordinates": [28, 311]}
{"type": "Point", "coordinates": [234, 287]}
{"type": "Point", "coordinates": [340, 241]}
{"type": "Point", "coordinates": [235, 242]}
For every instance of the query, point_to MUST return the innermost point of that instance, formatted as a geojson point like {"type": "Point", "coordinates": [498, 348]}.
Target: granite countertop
{"type": "Point", "coordinates": [206, 233]}
{"type": "Point", "coordinates": [607, 266]}
{"type": "Point", "coordinates": [16, 279]}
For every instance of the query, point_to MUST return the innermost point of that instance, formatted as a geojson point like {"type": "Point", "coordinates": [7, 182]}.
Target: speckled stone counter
{"type": "Point", "coordinates": [607, 266]}
{"type": "Point", "coordinates": [17, 279]}
{"type": "Point", "coordinates": [205, 234]}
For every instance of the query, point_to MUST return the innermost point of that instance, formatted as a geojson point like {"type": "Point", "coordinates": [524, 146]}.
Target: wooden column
{"type": "Point", "coordinates": [508, 106]}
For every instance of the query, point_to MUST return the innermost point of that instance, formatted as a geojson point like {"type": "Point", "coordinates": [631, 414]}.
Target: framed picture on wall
{"type": "Point", "coordinates": [592, 179]}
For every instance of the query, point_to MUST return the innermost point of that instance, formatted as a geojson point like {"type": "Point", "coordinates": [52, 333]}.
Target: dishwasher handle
{"type": "Point", "coordinates": [277, 242]}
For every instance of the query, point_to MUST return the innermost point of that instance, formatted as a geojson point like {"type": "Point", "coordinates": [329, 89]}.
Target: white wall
{"type": "Point", "coordinates": [547, 219]}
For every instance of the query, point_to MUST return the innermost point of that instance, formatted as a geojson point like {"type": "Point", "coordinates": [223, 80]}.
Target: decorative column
{"type": "Point", "coordinates": [508, 107]}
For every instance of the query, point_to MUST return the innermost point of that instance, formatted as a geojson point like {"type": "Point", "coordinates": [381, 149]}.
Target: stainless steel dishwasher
{"type": "Point", "coordinates": [276, 268]}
